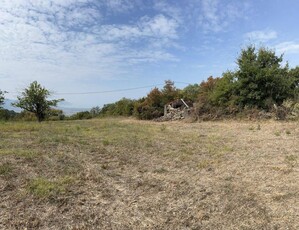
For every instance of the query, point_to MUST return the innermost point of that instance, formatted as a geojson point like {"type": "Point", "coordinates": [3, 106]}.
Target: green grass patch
{"type": "Point", "coordinates": [14, 127]}
{"type": "Point", "coordinates": [44, 188]}
{"type": "Point", "coordinates": [5, 169]}
{"type": "Point", "coordinates": [106, 142]}
{"type": "Point", "coordinates": [29, 154]}
{"type": "Point", "coordinates": [54, 139]}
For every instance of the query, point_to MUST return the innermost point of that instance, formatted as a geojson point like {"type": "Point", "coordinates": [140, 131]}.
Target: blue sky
{"type": "Point", "coordinates": [74, 46]}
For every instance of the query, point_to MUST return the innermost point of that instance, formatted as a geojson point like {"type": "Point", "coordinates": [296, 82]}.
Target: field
{"type": "Point", "coordinates": [129, 174]}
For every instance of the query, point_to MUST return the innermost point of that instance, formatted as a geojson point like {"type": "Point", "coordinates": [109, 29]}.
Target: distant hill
{"type": "Point", "coordinates": [67, 111]}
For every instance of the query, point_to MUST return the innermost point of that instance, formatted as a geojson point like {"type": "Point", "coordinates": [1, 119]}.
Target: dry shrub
{"type": "Point", "coordinates": [291, 108]}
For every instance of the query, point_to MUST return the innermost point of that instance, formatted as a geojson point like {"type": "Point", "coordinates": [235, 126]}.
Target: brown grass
{"type": "Point", "coordinates": [128, 174]}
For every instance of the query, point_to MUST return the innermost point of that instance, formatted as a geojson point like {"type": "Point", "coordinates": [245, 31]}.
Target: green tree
{"type": "Point", "coordinates": [206, 89]}
{"type": "Point", "coordinates": [123, 107]}
{"type": "Point", "coordinates": [190, 92]}
{"type": "Point", "coordinates": [261, 79]}
{"type": "Point", "coordinates": [81, 115]}
{"type": "Point", "coordinates": [223, 92]}
{"type": "Point", "coordinates": [204, 102]}
{"type": "Point", "coordinates": [294, 74]}
{"type": "Point", "coordinates": [169, 92]}
{"type": "Point", "coordinates": [34, 100]}
{"type": "Point", "coordinates": [107, 110]}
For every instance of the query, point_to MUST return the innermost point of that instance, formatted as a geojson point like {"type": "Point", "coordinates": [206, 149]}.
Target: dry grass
{"type": "Point", "coordinates": [128, 174]}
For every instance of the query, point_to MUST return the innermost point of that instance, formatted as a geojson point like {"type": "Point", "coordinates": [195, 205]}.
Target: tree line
{"type": "Point", "coordinates": [261, 82]}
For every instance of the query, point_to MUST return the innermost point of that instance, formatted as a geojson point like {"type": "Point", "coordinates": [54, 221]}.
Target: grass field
{"type": "Point", "coordinates": [128, 174]}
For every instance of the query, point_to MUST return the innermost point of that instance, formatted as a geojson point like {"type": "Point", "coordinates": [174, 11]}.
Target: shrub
{"type": "Point", "coordinates": [81, 116]}
{"type": "Point", "coordinates": [26, 116]}
{"type": "Point", "coordinates": [55, 115]}
{"type": "Point", "coordinates": [123, 107]}
{"type": "Point", "coordinates": [7, 114]}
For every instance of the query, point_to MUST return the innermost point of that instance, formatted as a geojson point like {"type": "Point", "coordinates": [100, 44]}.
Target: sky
{"type": "Point", "coordinates": [73, 47]}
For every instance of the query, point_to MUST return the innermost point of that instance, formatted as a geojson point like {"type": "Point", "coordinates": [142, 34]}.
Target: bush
{"type": "Point", "coordinates": [95, 111]}
{"type": "Point", "coordinates": [55, 115]}
{"type": "Point", "coordinates": [81, 116]}
{"type": "Point", "coordinates": [7, 114]}
{"type": "Point", "coordinates": [291, 109]}
{"type": "Point", "coordinates": [26, 116]}
{"type": "Point", "coordinates": [150, 107]}
{"type": "Point", "coordinates": [147, 112]}
{"type": "Point", "coordinates": [123, 107]}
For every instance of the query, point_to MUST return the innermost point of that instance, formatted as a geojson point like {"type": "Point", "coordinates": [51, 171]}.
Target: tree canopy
{"type": "Point", "coordinates": [261, 80]}
{"type": "Point", "coordinates": [34, 100]}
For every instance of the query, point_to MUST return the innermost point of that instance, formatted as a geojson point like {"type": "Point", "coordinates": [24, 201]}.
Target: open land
{"type": "Point", "coordinates": [129, 174]}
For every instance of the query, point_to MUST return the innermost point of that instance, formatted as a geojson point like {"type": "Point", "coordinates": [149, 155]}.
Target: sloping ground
{"type": "Point", "coordinates": [127, 174]}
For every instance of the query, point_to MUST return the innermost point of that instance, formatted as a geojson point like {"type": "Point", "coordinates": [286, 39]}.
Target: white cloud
{"type": "Point", "coordinates": [159, 26]}
{"type": "Point", "coordinates": [261, 35]}
{"type": "Point", "coordinates": [287, 47]}
{"type": "Point", "coordinates": [210, 19]}
{"type": "Point", "coordinates": [120, 5]}
{"type": "Point", "coordinates": [70, 29]}
{"type": "Point", "coordinates": [216, 15]}
{"type": "Point", "coordinates": [62, 43]}
{"type": "Point", "coordinates": [172, 11]}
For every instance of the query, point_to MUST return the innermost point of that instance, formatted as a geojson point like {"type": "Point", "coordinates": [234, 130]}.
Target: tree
{"type": "Point", "coordinates": [294, 74]}
{"type": "Point", "coordinates": [261, 79]}
{"type": "Point", "coordinates": [123, 107]}
{"type": "Point", "coordinates": [223, 92]}
{"type": "Point", "coordinates": [169, 92]}
{"type": "Point", "coordinates": [1, 98]}
{"type": "Point", "coordinates": [150, 107]}
{"type": "Point", "coordinates": [95, 111]}
{"type": "Point", "coordinates": [206, 88]}
{"type": "Point", "coordinates": [155, 98]}
{"type": "Point", "coordinates": [190, 92]}
{"type": "Point", "coordinates": [34, 100]}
